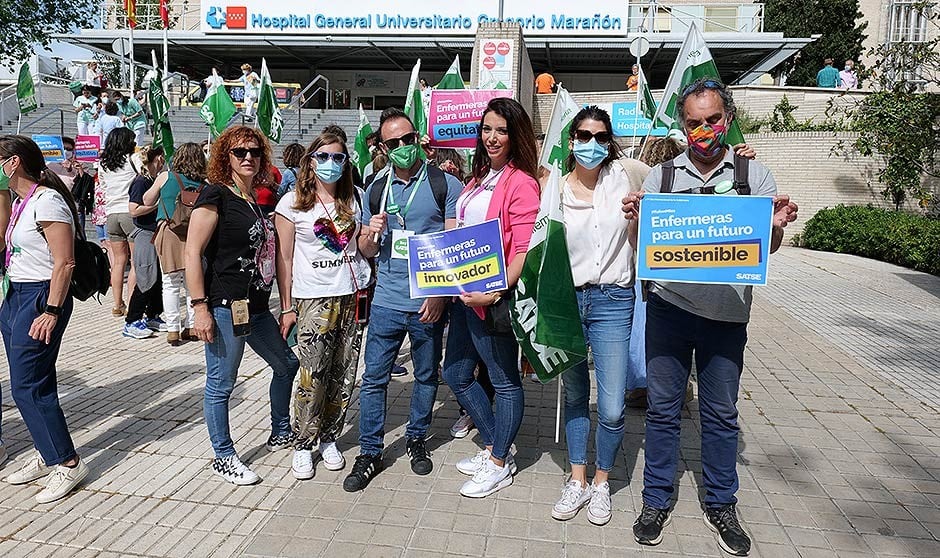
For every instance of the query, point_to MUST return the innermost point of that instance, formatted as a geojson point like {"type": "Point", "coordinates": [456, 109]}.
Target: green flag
{"type": "Point", "coordinates": [452, 78]}
{"type": "Point", "coordinates": [694, 62]}
{"type": "Point", "coordinates": [268, 114]}
{"type": "Point", "coordinates": [217, 108]}
{"type": "Point", "coordinates": [160, 113]}
{"type": "Point", "coordinates": [414, 105]}
{"type": "Point", "coordinates": [545, 314]}
{"type": "Point", "coordinates": [557, 134]}
{"type": "Point", "coordinates": [647, 104]}
{"type": "Point", "coordinates": [360, 154]}
{"type": "Point", "coordinates": [25, 93]}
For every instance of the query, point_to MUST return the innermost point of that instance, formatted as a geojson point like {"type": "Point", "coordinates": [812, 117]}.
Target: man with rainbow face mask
{"type": "Point", "coordinates": [707, 322]}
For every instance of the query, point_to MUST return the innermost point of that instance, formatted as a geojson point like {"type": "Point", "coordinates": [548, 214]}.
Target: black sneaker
{"type": "Point", "coordinates": [421, 463]}
{"type": "Point", "coordinates": [731, 536]}
{"type": "Point", "coordinates": [363, 471]}
{"type": "Point", "coordinates": [648, 528]}
{"type": "Point", "coordinates": [280, 441]}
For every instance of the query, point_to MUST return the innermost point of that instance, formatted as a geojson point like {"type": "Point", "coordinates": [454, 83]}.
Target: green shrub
{"type": "Point", "coordinates": [896, 237]}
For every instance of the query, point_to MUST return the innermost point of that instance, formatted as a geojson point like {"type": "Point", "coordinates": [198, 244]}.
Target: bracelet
{"type": "Point", "coordinates": [291, 310]}
{"type": "Point", "coordinates": [52, 310]}
{"type": "Point", "coordinates": [196, 301]}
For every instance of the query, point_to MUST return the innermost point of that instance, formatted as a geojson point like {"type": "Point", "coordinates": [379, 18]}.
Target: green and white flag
{"type": "Point", "coordinates": [217, 108]}
{"type": "Point", "coordinates": [647, 104]}
{"type": "Point", "coordinates": [160, 112]}
{"type": "Point", "coordinates": [25, 92]}
{"type": "Point", "coordinates": [694, 62]}
{"type": "Point", "coordinates": [555, 146]}
{"type": "Point", "coordinates": [452, 79]}
{"type": "Point", "coordinates": [545, 315]}
{"type": "Point", "coordinates": [268, 114]}
{"type": "Point", "coordinates": [414, 105]}
{"type": "Point", "coordinates": [360, 154]}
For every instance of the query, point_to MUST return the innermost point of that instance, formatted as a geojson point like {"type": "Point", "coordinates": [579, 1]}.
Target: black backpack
{"type": "Point", "coordinates": [435, 177]}
{"type": "Point", "coordinates": [91, 275]}
{"type": "Point", "coordinates": [740, 177]}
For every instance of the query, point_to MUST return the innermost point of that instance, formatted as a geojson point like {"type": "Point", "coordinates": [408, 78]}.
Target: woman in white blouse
{"type": "Point", "coordinates": [602, 267]}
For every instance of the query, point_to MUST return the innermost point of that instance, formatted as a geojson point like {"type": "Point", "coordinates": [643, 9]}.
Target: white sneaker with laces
{"type": "Point", "coordinates": [599, 508]}
{"type": "Point", "coordinates": [462, 426]}
{"type": "Point", "coordinates": [332, 458]}
{"type": "Point", "coordinates": [62, 481]}
{"type": "Point", "coordinates": [574, 496]}
{"type": "Point", "coordinates": [137, 330]}
{"type": "Point", "coordinates": [470, 465]}
{"type": "Point", "coordinates": [302, 465]}
{"type": "Point", "coordinates": [234, 471]}
{"type": "Point", "coordinates": [33, 468]}
{"type": "Point", "coordinates": [488, 479]}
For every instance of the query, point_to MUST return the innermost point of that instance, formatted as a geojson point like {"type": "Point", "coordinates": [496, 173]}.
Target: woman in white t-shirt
{"type": "Point", "coordinates": [35, 311]}
{"type": "Point", "coordinates": [116, 172]}
{"type": "Point", "coordinates": [602, 266]}
{"type": "Point", "coordinates": [319, 272]}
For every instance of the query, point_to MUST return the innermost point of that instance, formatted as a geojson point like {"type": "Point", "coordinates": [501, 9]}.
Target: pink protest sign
{"type": "Point", "coordinates": [86, 148]}
{"type": "Point", "coordinates": [454, 116]}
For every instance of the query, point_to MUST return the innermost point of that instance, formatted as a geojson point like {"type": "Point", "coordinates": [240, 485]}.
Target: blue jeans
{"type": "Point", "coordinates": [672, 337]}
{"type": "Point", "coordinates": [223, 357]}
{"type": "Point", "coordinates": [32, 369]}
{"type": "Point", "coordinates": [387, 330]}
{"type": "Point", "coordinates": [606, 316]}
{"type": "Point", "coordinates": [467, 344]}
{"type": "Point", "coordinates": [636, 368]}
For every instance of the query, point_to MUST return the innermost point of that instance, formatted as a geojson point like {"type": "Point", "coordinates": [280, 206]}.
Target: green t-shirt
{"type": "Point", "coordinates": [87, 104]}
{"type": "Point", "coordinates": [133, 107]}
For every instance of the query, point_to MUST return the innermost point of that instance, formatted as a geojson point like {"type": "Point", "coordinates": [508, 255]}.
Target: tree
{"type": "Point", "coordinates": [836, 20]}
{"type": "Point", "coordinates": [27, 22]}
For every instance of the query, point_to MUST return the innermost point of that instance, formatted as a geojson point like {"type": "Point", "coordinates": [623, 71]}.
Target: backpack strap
{"type": "Point", "coordinates": [669, 177]}
{"type": "Point", "coordinates": [438, 186]}
{"type": "Point", "coordinates": [741, 183]}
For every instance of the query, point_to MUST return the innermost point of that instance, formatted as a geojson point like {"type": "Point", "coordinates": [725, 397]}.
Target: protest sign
{"type": "Point", "coordinates": [455, 114]}
{"type": "Point", "coordinates": [627, 123]}
{"type": "Point", "coordinates": [51, 146]}
{"type": "Point", "coordinates": [87, 148]}
{"type": "Point", "coordinates": [689, 238]}
{"type": "Point", "coordinates": [456, 261]}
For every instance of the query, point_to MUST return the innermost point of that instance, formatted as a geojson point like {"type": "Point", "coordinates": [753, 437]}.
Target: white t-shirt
{"type": "Point", "coordinates": [473, 204]}
{"type": "Point", "coordinates": [116, 185]}
{"type": "Point", "coordinates": [596, 232]}
{"type": "Point", "coordinates": [31, 260]}
{"type": "Point", "coordinates": [321, 253]}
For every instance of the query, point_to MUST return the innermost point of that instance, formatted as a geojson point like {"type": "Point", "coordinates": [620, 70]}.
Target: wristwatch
{"type": "Point", "coordinates": [54, 310]}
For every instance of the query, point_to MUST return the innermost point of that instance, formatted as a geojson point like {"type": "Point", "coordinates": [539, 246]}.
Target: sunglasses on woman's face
{"type": "Point", "coordinates": [407, 139]}
{"type": "Point", "coordinates": [324, 156]}
{"type": "Point", "coordinates": [243, 152]}
{"type": "Point", "coordinates": [585, 136]}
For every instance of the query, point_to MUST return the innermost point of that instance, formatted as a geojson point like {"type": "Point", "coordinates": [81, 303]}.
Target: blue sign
{"type": "Point", "coordinates": [52, 149]}
{"type": "Point", "coordinates": [627, 123]}
{"type": "Point", "coordinates": [701, 238]}
{"type": "Point", "coordinates": [456, 261]}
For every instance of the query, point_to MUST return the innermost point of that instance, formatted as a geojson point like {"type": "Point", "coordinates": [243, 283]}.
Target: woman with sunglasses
{"type": "Point", "coordinates": [319, 272]}
{"type": "Point", "coordinates": [602, 267]}
{"type": "Point", "coordinates": [230, 262]}
{"type": "Point", "coordinates": [503, 186]}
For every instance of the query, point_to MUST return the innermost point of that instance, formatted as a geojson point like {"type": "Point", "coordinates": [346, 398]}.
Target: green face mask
{"type": "Point", "coordinates": [4, 179]}
{"type": "Point", "coordinates": [404, 156]}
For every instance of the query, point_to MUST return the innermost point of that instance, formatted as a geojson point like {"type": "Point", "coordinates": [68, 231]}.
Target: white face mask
{"type": "Point", "coordinates": [105, 99]}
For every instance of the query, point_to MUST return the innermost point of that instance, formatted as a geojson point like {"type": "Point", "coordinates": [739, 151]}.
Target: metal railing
{"type": "Point", "coordinates": [301, 98]}
{"type": "Point", "coordinates": [34, 123]}
{"type": "Point", "coordinates": [654, 17]}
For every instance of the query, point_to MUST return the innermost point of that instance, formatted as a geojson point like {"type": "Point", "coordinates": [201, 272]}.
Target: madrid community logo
{"type": "Point", "coordinates": [232, 17]}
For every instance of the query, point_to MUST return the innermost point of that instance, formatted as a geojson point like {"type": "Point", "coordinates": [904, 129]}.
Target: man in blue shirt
{"type": "Point", "coordinates": [410, 197]}
{"type": "Point", "coordinates": [828, 76]}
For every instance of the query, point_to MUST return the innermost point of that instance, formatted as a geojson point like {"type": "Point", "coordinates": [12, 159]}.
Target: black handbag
{"type": "Point", "coordinates": [497, 320]}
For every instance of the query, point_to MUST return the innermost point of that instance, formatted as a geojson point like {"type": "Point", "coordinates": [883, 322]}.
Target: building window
{"type": "Point", "coordinates": [907, 22]}
{"type": "Point", "coordinates": [643, 21]}
{"type": "Point", "coordinates": [721, 19]}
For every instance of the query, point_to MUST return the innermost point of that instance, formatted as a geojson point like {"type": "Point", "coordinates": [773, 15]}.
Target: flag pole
{"type": "Point", "coordinates": [130, 83]}
{"type": "Point", "coordinates": [558, 411]}
{"type": "Point", "coordinates": [636, 111]}
{"type": "Point", "coordinates": [19, 119]}
{"type": "Point", "coordinates": [166, 66]}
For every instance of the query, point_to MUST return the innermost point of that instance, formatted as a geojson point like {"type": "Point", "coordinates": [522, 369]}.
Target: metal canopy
{"type": "Point", "coordinates": [740, 57]}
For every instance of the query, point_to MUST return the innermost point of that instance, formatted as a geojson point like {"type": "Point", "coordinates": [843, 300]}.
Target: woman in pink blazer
{"type": "Point", "coordinates": [503, 187]}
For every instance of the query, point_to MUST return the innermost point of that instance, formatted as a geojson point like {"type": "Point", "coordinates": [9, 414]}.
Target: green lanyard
{"type": "Point", "coordinates": [393, 208]}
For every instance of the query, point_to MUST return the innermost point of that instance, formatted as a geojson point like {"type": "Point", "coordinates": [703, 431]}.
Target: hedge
{"type": "Point", "coordinates": [908, 240]}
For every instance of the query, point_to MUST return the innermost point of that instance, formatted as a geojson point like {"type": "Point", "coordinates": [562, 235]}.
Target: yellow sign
{"type": "Point", "coordinates": [703, 255]}
{"type": "Point", "coordinates": [474, 271]}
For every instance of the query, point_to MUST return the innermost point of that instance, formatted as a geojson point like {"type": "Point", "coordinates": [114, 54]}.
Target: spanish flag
{"type": "Point", "coordinates": [130, 6]}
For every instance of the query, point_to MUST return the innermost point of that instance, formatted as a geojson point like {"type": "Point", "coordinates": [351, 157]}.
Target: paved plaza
{"type": "Point", "coordinates": [839, 452]}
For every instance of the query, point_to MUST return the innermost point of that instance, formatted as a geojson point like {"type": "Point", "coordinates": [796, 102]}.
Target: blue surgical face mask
{"type": "Point", "coordinates": [590, 154]}
{"type": "Point", "coordinates": [329, 172]}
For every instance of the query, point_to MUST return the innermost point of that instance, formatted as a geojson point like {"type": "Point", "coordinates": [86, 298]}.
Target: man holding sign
{"type": "Point", "coordinates": [699, 317]}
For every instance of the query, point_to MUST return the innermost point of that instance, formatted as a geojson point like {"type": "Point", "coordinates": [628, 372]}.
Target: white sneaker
{"type": "Point", "coordinates": [332, 458]}
{"type": "Point", "coordinates": [234, 471]}
{"type": "Point", "coordinates": [470, 465]}
{"type": "Point", "coordinates": [462, 426]}
{"type": "Point", "coordinates": [573, 498]}
{"type": "Point", "coordinates": [34, 468]}
{"type": "Point", "coordinates": [137, 330]}
{"type": "Point", "coordinates": [599, 508]}
{"type": "Point", "coordinates": [302, 466]}
{"type": "Point", "coordinates": [487, 480]}
{"type": "Point", "coordinates": [62, 481]}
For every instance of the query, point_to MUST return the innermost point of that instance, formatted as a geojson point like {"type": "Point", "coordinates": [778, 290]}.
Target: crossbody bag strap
{"type": "Point", "coordinates": [352, 272]}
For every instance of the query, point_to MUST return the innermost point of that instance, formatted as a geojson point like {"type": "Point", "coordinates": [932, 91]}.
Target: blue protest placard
{"type": "Point", "coordinates": [52, 149]}
{"type": "Point", "coordinates": [626, 122]}
{"type": "Point", "coordinates": [691, 238]}
{"type": "Point", "coordinates": [455, 261]}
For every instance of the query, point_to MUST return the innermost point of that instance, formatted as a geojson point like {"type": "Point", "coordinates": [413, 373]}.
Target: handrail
{"type": "Point", "coordinates": [42, 117]}
{"type": "Point", "coordinates": [301, 98]}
